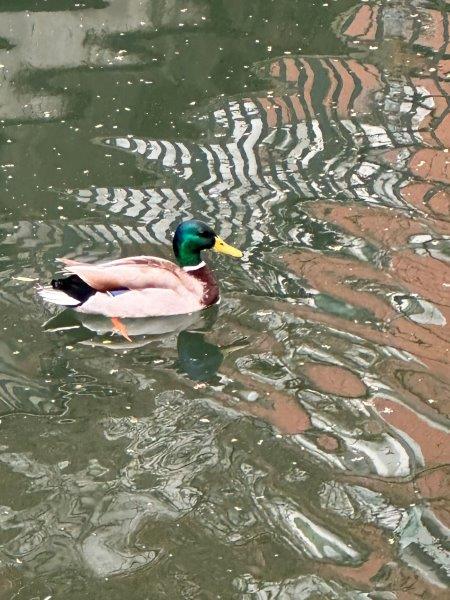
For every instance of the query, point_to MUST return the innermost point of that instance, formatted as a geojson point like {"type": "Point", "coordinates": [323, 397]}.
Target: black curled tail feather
{"type": "Point", "coordinates": [74, 287]}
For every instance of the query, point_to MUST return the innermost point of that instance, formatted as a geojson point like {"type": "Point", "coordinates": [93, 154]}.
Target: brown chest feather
{"type": "Point", "coordinates": [210, 286]}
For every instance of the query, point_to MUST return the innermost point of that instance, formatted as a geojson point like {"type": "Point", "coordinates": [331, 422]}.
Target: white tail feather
{"type": "Point", "coordinates": [59, 297]}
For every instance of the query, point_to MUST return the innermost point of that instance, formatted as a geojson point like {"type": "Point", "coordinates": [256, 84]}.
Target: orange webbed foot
{"type": "Point", "coordinates": [120, 328]}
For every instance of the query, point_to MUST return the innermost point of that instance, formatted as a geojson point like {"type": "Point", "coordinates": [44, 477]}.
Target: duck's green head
{"type": "Point", "coordinates": [191, 237]}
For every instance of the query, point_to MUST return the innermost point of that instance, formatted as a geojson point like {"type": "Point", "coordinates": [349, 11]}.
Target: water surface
{"type": "Point", "coordinates": [293, 442]}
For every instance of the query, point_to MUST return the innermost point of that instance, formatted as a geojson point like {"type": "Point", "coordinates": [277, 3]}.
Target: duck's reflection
{"type": "Point", "coordinates": [198, 358]}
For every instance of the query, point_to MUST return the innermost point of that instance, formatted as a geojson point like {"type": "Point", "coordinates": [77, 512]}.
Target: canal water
{"type": "Point", "coordinates": [291, 443]}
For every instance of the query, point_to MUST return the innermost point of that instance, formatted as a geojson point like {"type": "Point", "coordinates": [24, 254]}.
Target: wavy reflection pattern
{"type": "Point", "coordinates": [317, 464]}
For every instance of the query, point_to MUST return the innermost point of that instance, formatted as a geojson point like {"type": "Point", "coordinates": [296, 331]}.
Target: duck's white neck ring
{"type": "Point", "coordinates": [195, 267]}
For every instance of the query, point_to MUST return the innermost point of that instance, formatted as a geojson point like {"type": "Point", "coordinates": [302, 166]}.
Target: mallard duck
{"type": "Point", "coordinates": [144, 286]}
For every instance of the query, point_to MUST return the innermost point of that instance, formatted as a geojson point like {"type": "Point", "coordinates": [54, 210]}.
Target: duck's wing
{"type": "Point", "coordinates": [134, 273]}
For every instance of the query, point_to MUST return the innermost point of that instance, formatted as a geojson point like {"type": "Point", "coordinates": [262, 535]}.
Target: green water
{"type": "Point", "coordinates": [291, 442]}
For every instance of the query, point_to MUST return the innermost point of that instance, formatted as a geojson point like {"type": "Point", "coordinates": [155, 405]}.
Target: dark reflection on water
{"type": "Point", "coordinates": [197, 358]}
{"type": "Point", "coordinates": [293, 442]}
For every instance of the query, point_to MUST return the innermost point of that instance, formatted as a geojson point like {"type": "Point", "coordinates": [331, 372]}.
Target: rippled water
{"type": "Point", "coordinates": [292, 443]}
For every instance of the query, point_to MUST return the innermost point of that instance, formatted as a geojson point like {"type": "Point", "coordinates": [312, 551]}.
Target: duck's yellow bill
{"type": "Point", "coordinates": [221, 246]}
